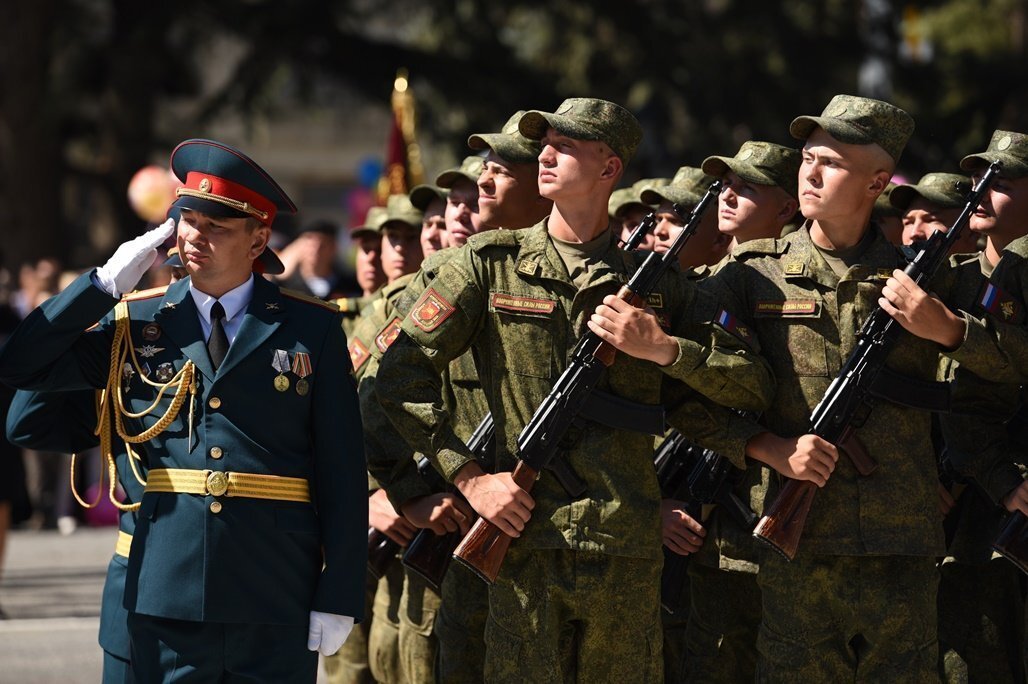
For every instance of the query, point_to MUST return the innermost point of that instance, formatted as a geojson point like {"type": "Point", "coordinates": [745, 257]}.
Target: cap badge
{"type": "Point", "coordinates": [746, 154]}
{"type": "Point", "coordinates": [205, 185]}
{"type": "Point", "coordinates": [1003, 143]}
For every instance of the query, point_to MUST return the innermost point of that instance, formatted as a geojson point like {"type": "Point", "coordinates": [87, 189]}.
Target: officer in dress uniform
{"type": "Point", "coordinates": [249, 550]}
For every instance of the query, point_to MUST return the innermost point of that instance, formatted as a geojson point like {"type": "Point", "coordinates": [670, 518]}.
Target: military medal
{"type": "Point", "coordinates": [165, 372]}
{"type": "Point", "coordinates": [280, 362]}
{"type": "Point", "coordinates": [151, 332]}
{"type": "Point", "coordinates": [145, 370]}
{"type": "Point", "coordinates": [302, 368]}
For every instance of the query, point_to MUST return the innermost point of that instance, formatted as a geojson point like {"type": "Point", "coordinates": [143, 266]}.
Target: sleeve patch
{"type": "Point", "coordinates": [431, 310]}
{"type": "Point", "coordinates": [388, 335]}
{"type": "Point", "coordinates": [731, 325]}
{"type": "Point", "coordinates": [358, 353]}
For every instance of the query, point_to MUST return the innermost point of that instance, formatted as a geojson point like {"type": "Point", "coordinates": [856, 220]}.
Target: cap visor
{"type": "Point", "coordinates": [272, 264]}
{"type": "Point", "coordinates": [802, 126]}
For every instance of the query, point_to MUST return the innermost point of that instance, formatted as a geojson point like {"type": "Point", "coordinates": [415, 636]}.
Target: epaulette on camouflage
{"type": "Point", "coordinates": [434, 262]}
{"type": "Point", "coordinates": [495, 238]}
{"type": "Point", "coordinates": [309, 299]}
{"type": "Point", "coordinates": [760, 247]}
{"type": "Point", "coordinates": [348, 305]}
{"type": "Point", "coordinates": [964, 259]}
{"type": "Point", "coordinates": [394, 289]}
{"type": "Point", "coordinates": [145, 294]}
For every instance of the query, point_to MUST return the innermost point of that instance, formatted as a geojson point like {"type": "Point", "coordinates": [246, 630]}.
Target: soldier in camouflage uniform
{"type": "Point", "coordinates": [626, 205]}
{"type": "Point", "coordinates": [981, 595]}
{"type": "Point", "coordinates": [368, 244]}
{"type": "Point", "coordinates": [757, 200]}
{"type": "Point", "coordinates": [462, 216]}
{"type": "Point", "coordinates": [888, 217]}
{"type": "Point", "coordinates": [933, 204]}
{"type": "Point", "coordinates": [707, 246]}
{"type": "Point", "coordinates": [431, 201]}
{"type": "Point", "coordinates": [858, 600]}
{"type": "Point", "coordinates": [508, 198]}
{"type": "Point", "coordinates": [580, 570]}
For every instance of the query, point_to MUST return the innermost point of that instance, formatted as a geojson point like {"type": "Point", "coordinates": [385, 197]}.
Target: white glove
{"type": "Point", "coordinates": [328, 632]}
{"type": "Point", "coordinates": [123, 271]}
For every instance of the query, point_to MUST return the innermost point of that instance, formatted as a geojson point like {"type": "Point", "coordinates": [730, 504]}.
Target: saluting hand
{"type": "Point", "coordinates": [634, 331]}
{"type": "Point", "coordinates": [807, 457]}
{"type": "Point", "coordinates": [131, 260]}
{"type": "Point", "coordinates": [497, 498]}
{"type": "Point", "coordinates": [682, 533]}
{"type": "Point", "coordinates": [921, 313]}
{"type": "Point", "coordinates": [441, 513]}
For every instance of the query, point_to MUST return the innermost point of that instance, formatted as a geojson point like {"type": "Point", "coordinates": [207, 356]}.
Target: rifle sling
{"type": "Point", "coordinates": [915, 393]}
{"type": "Point", "coordinates": [622, 414]}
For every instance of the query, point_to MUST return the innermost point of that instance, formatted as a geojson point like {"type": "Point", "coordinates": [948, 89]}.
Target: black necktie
{"type": "Point", "coordinates": [217, 343]}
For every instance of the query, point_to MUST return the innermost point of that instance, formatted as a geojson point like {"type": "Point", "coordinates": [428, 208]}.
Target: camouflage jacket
{"type": "Point", "coordinates": [1003, 299]}
{"type": "Point", "coordinates": [806, 319]}
{"type": "Point", "coordinates": [390, 456]}
{"type": "Point", "coordinates": [508, 298]}
{"type": "Point", "coordinates": [978, 443]}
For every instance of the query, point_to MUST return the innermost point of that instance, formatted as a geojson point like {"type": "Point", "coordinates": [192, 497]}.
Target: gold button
{"type": "Point", "coordinates": [214, 402]}
{"type": "Point", "coordinates": [216, 452]}
{"type": "Point", "coordinates": [215, 507]}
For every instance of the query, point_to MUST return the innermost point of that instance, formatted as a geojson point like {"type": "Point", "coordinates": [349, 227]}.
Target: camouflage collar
{"type": "Point", "coordinates": [538, 258]}
{"type": "Point", "coordinates": [804, 260]}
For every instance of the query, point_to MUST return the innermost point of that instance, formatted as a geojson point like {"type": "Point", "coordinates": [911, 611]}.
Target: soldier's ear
{"type": "Point", "coordinates": [612, 168]}
{"type": "Point", "coordinates": [879, 182]}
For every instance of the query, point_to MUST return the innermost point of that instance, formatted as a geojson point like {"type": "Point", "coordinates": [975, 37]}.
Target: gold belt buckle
{"type": "Point", "coordinates": [217, 483]}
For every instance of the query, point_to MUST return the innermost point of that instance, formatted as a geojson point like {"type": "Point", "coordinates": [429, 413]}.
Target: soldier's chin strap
{"type": "Point", "coordinates": [111, 409]}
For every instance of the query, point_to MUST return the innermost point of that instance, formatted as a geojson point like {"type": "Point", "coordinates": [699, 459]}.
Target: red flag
{"type": "Point", "coordinates": [403, 156]}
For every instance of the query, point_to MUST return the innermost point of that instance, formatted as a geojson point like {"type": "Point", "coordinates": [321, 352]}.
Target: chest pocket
{"type": "Point", "coordinates": [522, 333]}
{"type": "Point", "coordinates": [795, 327]}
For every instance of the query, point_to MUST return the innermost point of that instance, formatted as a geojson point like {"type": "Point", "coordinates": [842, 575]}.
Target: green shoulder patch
{"type": "Point", "coordinates": [758, 248]}
{"type": "Point", "coordinates": [493, 238]}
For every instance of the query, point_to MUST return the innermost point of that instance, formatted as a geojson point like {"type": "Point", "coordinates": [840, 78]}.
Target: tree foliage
{"type": "Point", "coordinates": [86, 80]}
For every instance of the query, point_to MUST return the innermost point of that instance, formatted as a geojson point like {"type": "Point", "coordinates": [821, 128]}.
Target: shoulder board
{"type": "Point", "coordinates": [395, 288]}
{"type": "Point", "coordinates": [761, 247]}
{"type": "Point", "coordinates": [494, 238]}
{"type": "Point", "coordinates": [964, 259]}
{"type": "Point", "coordinates": [145, 294]}
{"type": "Point", "coordinates": [310, 299]}
{"type": "Point", "coordinates": [436, 261]}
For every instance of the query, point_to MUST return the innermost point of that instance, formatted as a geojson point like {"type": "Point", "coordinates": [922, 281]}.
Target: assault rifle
{"type": "Point", "coordinates": [639, 234]}
{"type": "Point", "coordinates": [429, 553]}
{"type": "Point", "coordinates": [697, 476]}
{"type": "Point", "coordinates": [849, 399]}
{"type": "Point", "coordinates": [485, 547]}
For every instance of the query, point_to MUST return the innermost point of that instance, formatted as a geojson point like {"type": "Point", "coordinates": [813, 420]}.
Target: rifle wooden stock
{"type": "Point", "coordinates": [485, 546]}
{"type": "Point", "coordinates": [429, 555]}
{"type": "Point", "coordinates": [783, 521]}
{"type": "Point", "coordinates": [1012, 542]}
{"type": "Point", "coordinates": [862, 461]}
{"type": "Point", "coordinates": [381, 552]}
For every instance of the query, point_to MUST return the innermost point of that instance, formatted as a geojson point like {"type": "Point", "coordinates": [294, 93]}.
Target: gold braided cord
{"type": "Point", "coordinates": [75, 491]}
{"type": "Point", "coordinates": [111, 409]}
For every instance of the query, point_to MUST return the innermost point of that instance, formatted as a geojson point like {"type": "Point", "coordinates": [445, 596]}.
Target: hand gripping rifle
{"type": "Point", "coordinates": [429, 553]}
{"type": "Point", "coordinates": [485, 547]}
{"type": "Point", "coordinates": [849, 399]}
{"type": "Point", "coordinates": [696, 476]}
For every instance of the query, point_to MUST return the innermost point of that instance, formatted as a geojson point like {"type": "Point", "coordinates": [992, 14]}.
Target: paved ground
{"type": "Point", "coordinates": [50, 590]}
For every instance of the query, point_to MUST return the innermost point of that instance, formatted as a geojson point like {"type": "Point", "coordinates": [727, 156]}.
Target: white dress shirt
{"type": "Point", "coordinates": [234, 302]}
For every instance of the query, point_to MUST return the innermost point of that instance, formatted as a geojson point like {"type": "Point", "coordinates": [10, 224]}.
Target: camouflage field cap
{"type": "Point", "coordinates": [762, 163]}
{"type": "Point", "coordinates": [883, 207]}
{"type": "Point", "coordinates": [623, 198]}
{"type": "Point", "coordinates": [400, 210]}
{"type": "Point", "coordinates": [947, 190]}
{"type": "Point", "coordinates": [422, 195]}
{"type": "Point", "coordinates": [859, 121]}
{"type": "Point", "coordinates": [1007, 146]}
{"type": "Point", "coordinates": [470, 168]}
{"type": "Point", "coordinates": [372, 223]}
{"type": "Point", "coordinates": [587, 118]}
{"type": "Point", "coordinates": [686, 188]}
{"type": "Point", "coordinates": [508, 144]}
